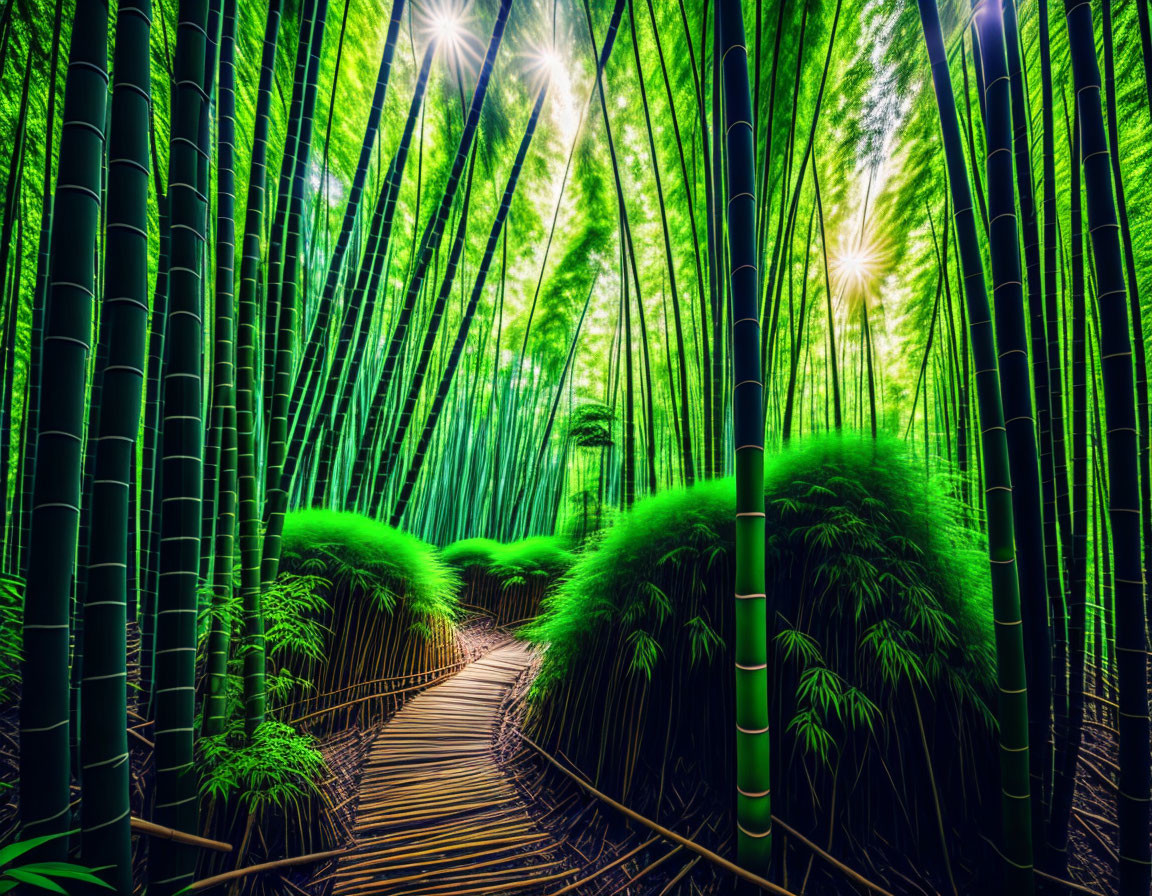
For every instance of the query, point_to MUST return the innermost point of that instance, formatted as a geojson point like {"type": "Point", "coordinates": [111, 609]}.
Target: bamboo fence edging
{"type": "Point", "coordinates": [1075, 887]}
{"type": "Point", "coordinates": [1071, 885]}
{"type": "Point", "coordinates": [238, 873]}
{"type": "Point", "coordinates": [455, 667]}
{"type": "Point", "coordinates": [148, 829]}
{"type": "Point", "coordinates": [365, 699]}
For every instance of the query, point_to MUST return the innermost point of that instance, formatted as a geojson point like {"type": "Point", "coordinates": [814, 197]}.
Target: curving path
{"type": "Point", "coordinates": [437, 814]}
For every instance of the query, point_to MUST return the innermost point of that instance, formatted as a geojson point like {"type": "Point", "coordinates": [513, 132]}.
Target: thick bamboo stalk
{"type": "Point", "coordinates": [753, 797]}
{"type": "Point", "coordinates": [181, 462]}
{"type": "Point", "coordinates": [248, 497]}
{"type": "Point", "coordinates": [55, 506]}
{"type": "Point", "coordinates": [1124, 494]}
{"type": "Point", "coordinates": [105, 838]}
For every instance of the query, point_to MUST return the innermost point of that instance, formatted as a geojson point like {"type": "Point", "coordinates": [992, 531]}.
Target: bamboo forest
{"type": "Point", "coordinates": [595, 447]}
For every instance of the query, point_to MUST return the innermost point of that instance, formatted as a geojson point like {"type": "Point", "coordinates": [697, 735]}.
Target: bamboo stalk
{"type": "Point", "coordinates": [703, 852]}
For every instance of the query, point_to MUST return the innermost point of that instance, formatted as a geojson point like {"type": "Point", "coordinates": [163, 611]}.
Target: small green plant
{"type": "Point", "coordinates": [41, 875]}
{"type": "Point", "coordinates": [11, 604]}
{"type": "Point", "coordinates": [279, 766]}
{"type": "Point", "coordinates": [293, 609]}
{"type": "Point", "coordinates": [591, 426]}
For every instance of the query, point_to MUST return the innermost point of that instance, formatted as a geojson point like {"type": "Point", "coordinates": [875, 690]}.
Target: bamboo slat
{"type": "Point", "coordinates": [437, 814]}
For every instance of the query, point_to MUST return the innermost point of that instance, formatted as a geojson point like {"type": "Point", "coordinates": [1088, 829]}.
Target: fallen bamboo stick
{"type": "Point", "coordinates": [848, 872]}
{"type": "Point", "coordinates": [1078, 888]}
{"type": "Point", "coordinates": [148, 829]}
{"type": "Point", "coordinates": [238, 873]}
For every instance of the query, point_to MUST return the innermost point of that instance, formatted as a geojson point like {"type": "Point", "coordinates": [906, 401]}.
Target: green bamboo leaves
{"type": "Point", "coordinates": [753, 787]}
{"type": "Point", "coordinates": [412, 312]}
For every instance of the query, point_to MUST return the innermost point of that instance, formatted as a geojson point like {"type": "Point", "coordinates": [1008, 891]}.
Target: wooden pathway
{"type": "Point", "coordinates": [437, 814]}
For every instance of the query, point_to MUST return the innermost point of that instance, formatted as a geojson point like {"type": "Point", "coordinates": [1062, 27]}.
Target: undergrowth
{"type": "Point", "coordinates": [279, 766]}
{"type": "Point", "coordinates": [11, 614]}
{"type": "Point", "coordinates": [371, 558]}
{"type": "Point", "coordinates": [390, 617]}
{"type": "Point", "coordinates": [879, 618]}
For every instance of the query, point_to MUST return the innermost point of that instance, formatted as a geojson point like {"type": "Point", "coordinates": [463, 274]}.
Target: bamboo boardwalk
{"type": "Point", "coordinates": [437, 813]}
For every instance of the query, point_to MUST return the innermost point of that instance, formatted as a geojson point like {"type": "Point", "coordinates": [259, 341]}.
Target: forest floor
{"type": "Point", "coordinates": [447, 797]}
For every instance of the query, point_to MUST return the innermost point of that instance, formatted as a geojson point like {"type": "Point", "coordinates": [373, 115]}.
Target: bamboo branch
{"type": "Point", "coordinates": [265, 866]}
{"type": "Point", "coordinates": [148, 829]}
{"type": "Point", "coordinates": [791, 831]}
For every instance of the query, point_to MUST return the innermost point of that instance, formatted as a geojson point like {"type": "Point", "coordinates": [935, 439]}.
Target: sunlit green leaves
{"type": "Point", "coordinates": [293, 606]}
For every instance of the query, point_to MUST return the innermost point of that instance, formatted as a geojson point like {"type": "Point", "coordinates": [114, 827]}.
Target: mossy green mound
{"type": "Point", "coordinates": [335, 543]}
{"type": "Point", "coordinates": [390, 612]}
{"type": "Point", "coordinates": [879, 619]}
{"type": "Point", "coordinates": [508, 581]}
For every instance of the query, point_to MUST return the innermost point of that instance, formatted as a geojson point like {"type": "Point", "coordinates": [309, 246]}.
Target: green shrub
{"type": "Point", "coordinates": [471, 552]}
{"type": "Point", "coordinates": [509, 580]}
{"type": "Point", "coordinates": [541, 555]}
{"type": "Point", "coordinates": [372, 558]}
{"type": "Point", "coordinates": [879, 613]}
{"type": "Point", "coordinates": [277, 768]}
{"type": "Point", "coordinates": [279, 765]}
{"type": "Point", "coordinates": [390, 611]}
